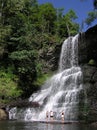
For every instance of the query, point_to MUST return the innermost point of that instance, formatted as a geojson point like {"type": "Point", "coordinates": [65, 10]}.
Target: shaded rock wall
{"type": "Point", "coordinates": [87, 51]}
{"type": "Point", "coordinates": [88, 45]}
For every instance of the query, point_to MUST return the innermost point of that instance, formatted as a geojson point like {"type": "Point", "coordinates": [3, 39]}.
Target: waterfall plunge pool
{"type": "Point", "coordinates": [23, 125]}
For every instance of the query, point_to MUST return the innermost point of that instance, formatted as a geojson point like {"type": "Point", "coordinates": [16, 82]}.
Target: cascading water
{"type": "Point", "coordinates": [61, 92]}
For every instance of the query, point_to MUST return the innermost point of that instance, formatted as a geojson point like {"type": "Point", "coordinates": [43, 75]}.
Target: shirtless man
{"type": "Point", "coordinates": [62, 116]}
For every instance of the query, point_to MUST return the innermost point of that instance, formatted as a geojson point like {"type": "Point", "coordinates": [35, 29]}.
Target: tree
{"type": "Point", "coordinates": [67, 25]}
{"type": "Point", "coordinates": [59, 12]}
{"type": "Point", "coordinates": [8, 85]}
{"type": "Point", "coordinates": [92, 15]}
{"type": "Point", "coordinates": [16, 38]}
{"type": "Point", "coordinates": [47, 17]}
{"type": "Point", "coordinates": [28, 32]}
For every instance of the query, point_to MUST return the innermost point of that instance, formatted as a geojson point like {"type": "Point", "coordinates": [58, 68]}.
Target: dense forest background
{"type": "Point", "coordinates": [30, 35]}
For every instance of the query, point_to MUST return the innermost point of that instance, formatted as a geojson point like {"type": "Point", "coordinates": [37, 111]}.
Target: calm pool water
{"type": "Point", "coordinates": [20, 125]}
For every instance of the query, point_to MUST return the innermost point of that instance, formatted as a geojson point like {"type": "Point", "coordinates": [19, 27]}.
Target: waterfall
{"type": "Point", "coordinates": [61, 91]}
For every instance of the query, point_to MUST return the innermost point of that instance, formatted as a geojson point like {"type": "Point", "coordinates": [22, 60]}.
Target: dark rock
{"type": "Point", "coordinates": [88, 52]}
{"type": "Point", "coordinates": [94, 124]}
{"type": "Point", "coordinates": [23, 103]}
{"type": "Point", "coordinates": [89, 73]}
{"type": "Point", "coordinates": [4, 108]}
{"type": "Point", "coordinates": [88, 45]}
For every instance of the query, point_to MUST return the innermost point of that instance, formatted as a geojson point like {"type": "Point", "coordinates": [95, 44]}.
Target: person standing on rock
{"type": "Point", "coordinates": [47, 115]}
{"type": "Point", "coordinates": [51, 115]}
{"type": "Point", "coordinates": [62, 116]}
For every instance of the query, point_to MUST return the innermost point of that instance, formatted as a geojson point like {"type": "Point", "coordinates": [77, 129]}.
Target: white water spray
{"type": "Point", "coordinates": [61, 92]}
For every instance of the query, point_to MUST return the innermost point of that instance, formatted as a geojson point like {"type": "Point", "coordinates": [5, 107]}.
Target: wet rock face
{"type": "Point", "coordinates": [88, 45]}
{"type": "Point", "coordinates": [88, 52]}
{"type": "Point", "coordinates": [91, 40]}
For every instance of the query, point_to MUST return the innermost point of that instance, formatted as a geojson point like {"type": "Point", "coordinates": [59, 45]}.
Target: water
{"type": "Point", "coordinates": [61, 91]}
{"type": "Point", "coordinates": [15, 125]}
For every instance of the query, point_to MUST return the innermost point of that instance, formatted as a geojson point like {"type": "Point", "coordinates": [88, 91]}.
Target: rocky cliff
{"type": "Point", "coordinates": [88, 62]}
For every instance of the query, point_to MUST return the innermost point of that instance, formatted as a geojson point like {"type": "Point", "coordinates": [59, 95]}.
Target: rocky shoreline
{"type": "Point", "coordinates": [4, 114]}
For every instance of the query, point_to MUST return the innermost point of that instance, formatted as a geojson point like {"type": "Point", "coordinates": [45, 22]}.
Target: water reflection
{"type": "Point", "coordinates": [64, 127]}
{"type": "Point", "coordinates": [14, 125]}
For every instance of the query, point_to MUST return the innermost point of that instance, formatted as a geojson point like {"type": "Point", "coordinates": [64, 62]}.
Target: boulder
{"type": "Point", "coordinates": [94, 124]}
{"type": "Point", "coordinates": [3, 114]}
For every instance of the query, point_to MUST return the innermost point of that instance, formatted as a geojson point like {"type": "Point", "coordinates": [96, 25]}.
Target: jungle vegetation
{"type": "Point", "coordinates": [27, 29]}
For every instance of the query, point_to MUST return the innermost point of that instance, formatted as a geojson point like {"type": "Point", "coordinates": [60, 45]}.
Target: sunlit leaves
{"type": "Point", "coordinates": [8, 85]}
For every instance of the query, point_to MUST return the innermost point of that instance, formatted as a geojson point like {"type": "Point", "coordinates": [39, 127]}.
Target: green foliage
{"type": "Point", "coordinates": [39, 69]}
{"type": "Point", "coordinates": [42, 78]}
{"type": "Point", "coordinates": [9, 84]}
{"type": "Point", "coordinates": [47, 17]}
{"type": "Point", "coordinates": [22, 55]}
{"type": "Point", "coordinates": [4, 33]}
{"type": "Point", "coordinates": [67, 25]}
{"type": "Point", "coordinates": [70, 25]}
{"type": "Point", "coordinates": [28, 30]}
{"type": "Point", "coordinates": [91, 17]}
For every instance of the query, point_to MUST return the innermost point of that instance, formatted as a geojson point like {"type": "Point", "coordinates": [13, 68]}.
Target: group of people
{"type": "Point", "coordinates": [51, 115]}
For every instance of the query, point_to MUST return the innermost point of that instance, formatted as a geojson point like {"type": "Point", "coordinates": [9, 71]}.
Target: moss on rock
{"type": "Point", "coordinates": [92, 62]}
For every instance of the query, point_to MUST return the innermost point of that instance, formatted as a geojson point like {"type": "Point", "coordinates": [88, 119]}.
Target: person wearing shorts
{"type": "Point", "coordinates": [51, 115]}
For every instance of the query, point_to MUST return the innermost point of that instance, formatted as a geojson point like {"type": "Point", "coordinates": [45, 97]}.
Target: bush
{"type": "Point", "coordinates": [8, 85]}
